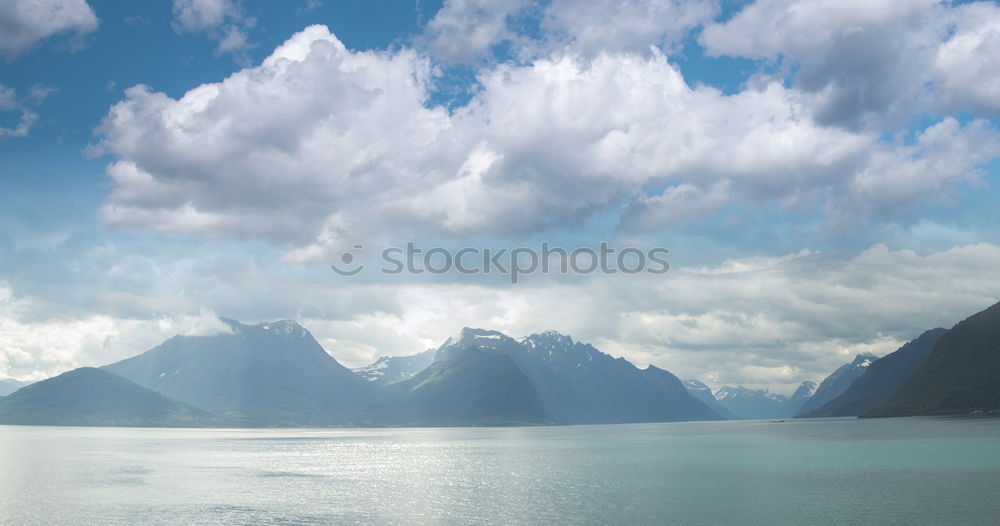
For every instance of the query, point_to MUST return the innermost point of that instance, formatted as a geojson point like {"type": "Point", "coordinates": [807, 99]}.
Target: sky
{"type": "Point", "coordinates": [823, 172]}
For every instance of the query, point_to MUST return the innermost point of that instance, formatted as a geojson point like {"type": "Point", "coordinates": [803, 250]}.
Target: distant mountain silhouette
{"type": "Point", "coordinates": [748, 403]}
{"type": "Point", "coordinates": [672, 402]}
{"type": "Point", "coordinates": [466, 385]}
{"type": "Point", "coordinates": [742, 403]}
{"type": "Point", "coordinates": [269, 374]}
{"type": "Point", "coordinates": [704, 394]}
{"type": "Point", "coordinates": [882, 379]}
{"type": "Point", "coordinates": [838, 382]}
{"type": "Point", "coordinates": [277, 375]}
{"type": "Point", "coordinates": [388, 369]}
{"type": "Point", "coordinates": [92, 397]}
{"type": "Point", "coordinates": [802, 394]}
{"type": "Point", "coordinates": [578, 384]}
{"type": "Point", "coordinates": [961, 375]}
{"type": "Point", "coordinates": [9, 385]}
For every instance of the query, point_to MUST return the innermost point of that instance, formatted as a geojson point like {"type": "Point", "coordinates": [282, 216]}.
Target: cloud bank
{"type": "Point", "coordinates": [319, 146]}
{"type": "Point", "coordinates": [762, 321]}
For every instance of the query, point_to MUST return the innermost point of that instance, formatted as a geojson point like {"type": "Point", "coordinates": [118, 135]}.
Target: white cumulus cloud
{"type": "Point", "coordinates": [867, 62]}
{"type": "Point", "coordinates": [37, 348]}
{"type": "Point", "coordinates": [23, 23]}
{"type": "Point", "coordinates": [319, 146]}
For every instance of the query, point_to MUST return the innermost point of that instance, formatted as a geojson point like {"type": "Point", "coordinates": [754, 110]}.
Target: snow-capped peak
{"type": "Point", "coordinates": [548, 339]}
{"type": "Point", "coordinates": [695, 385]}
{"type": "Point", "coordinates": [805, 390]}
{"type": "Point", "coordinates": [286, 327]}
{"type": "Point", "coordinates": [478, 337]}
{"type": "Point", "coordinates": [742, 393]}
{"type": "Point", "coordinates": [864, 360]}
{"type": "Point", "coordinates": [279, 327]}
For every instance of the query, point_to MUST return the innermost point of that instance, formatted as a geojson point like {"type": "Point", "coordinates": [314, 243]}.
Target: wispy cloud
{"type": "Point", "coordinates": [222, 20]}
{"type": "Point", "coordinates": [22, 104]}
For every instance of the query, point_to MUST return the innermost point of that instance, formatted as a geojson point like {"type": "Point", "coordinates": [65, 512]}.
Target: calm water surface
{"type": "Point", "coordinates": [908, 471]}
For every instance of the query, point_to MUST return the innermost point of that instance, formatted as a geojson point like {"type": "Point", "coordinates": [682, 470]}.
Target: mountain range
{"type": "Point", "coordinates": [751, 404]}
{"type": "Point", "coordinates": [572, 382]}
{"type": "Point", "coordinates": [838, 382]}
{"type": "Point", "coordinates": [277, 375]}
{"type": "Point", "coordinates": [388, 369]}
{"type": "Point", "coordinates": [882, 379]}
{"type": "Point", "coordinates": [744, 403]}
{"type": "Point", "coordinates": [738, 402]}
{"type": "Point", "coordinates": [704, 393]}
{"type": "Point", "coordinates": [961, 374]}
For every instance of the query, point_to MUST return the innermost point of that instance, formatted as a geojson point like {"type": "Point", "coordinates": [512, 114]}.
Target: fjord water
{"type": "Point", "coordinates": [823, 471]}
